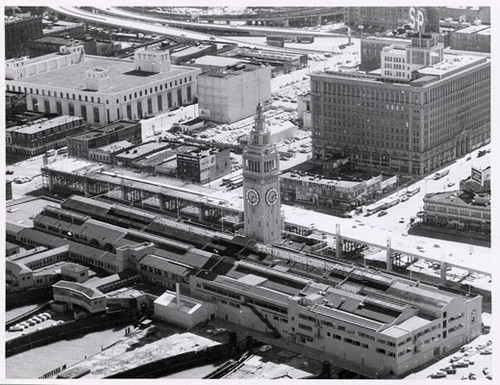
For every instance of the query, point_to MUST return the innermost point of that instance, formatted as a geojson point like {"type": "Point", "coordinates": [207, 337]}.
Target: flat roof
{"type": "Point", "coordinates": [22, 211]}
{"type": "Point", "coordinates": [114, 147]}
{"type": "Point", "coordinates": [450, 63]}
{"type": "Point", "coordinates": [142, 150]}
{"type": "Point", "coordinates": [456, 198]}
{"type": "Point", "coordinates": [319, 180]}
{"type": "Point", "coordinates": [473, 29]}
{"type": "Point", "coordinates": [43, 125]}
{"type": "Point", "coordinates": [218, 61]}
{"type": "Point", "coordinates": [235, 70]}
{"type": "Point", "coordinates": [188, 305]}
{"type": "Point", "coordinates": [123, 76]}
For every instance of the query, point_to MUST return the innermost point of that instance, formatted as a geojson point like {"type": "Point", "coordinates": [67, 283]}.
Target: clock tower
{"type": "Point", "coordinates": [261, 186]}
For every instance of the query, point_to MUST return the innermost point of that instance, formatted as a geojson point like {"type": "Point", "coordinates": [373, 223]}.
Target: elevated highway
{"type": "Point", "coordinates": [135, 21]}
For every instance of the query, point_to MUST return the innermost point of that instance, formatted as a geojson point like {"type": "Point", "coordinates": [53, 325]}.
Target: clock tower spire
{"type": "Point", "coordinates": [261, 186]}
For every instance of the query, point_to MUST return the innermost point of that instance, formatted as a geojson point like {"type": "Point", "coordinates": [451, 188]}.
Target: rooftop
{"type": "Point", "coordinates": [450, 64]}
{"type": "Point", "coordinates": [44, 124]}
{"type": "Point", "coordinates": [114, 147]}
{"type": "Point", "coordinates": [456, 198]}
{"type": "Point", "coordinates": [121, 124]}
{"type": "Point", "coordinates": [186, 304]}
{"type": "Point", "coordinates": [217, 61]}
{"type": "Point", "coordinates": [121, 72]}
{"type": "Point", "coordinates": [474, 29]}
{"type": "Point", "coordinates": [320, 181]}
{"type": "Point", "coordinates": [234, 70]}
{"type": "Point", "coordinates": [87, 291]}
{"type": "Point", "coordinates": [142, 149]}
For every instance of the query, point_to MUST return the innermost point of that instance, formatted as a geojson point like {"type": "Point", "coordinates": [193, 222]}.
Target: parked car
{"type": "Point", "coordinates": [265, 348]}
{"type": "Point", "coordinates": [218, 331]}
{"type": "Point", "coordinates": [382, 213]}
{"type": "Point", "coordinates": [438, 374]}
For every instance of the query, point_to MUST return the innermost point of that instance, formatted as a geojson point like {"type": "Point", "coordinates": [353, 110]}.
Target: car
{"type": "Point", "coordinates": [486, 371]}
{"type": "Point", "coordinates": [460, 364]}
{"type": "Point", "coordinates": [265, 348]}
{"type": "Point", "coordinates": [16, 328]}
{"type": "Point", "coordinates": [485, 352]}
{"type": "Point", "coordinates": [402, 220]}
{"type": "Point", "coordinates": [9, 172]}
{"type": "Point", "coordinates": [451, 184]}
{"type": "Point", "coordinates": [450, 370]}
{"type": "Point", "coordinates": [404, 198]}
{"type": "Point", "coordinates": [382, 213]}
{"type": "Point", "coordinates": [218, 331]}
{"type": "Point", "coordinates": [438, 374]}
{"type": "Point", "coordinates": [468, 158]}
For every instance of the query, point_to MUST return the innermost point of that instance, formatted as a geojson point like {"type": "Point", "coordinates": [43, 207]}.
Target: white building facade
{"type": "Point", "coordinates": [99, 89]}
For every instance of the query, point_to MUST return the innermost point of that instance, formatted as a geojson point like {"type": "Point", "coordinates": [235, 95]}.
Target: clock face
{"type": "Point", "coordinates": [253, 196]}
{"type": "Point", "coordinates": [271, 196]}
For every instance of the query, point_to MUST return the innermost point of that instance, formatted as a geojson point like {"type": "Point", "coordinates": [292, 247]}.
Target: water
{"type": "Point", "coordinates": [38, 361]}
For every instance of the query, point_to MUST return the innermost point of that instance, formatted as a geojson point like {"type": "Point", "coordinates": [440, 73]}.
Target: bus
{"type": "Point", "coordinates": [441, 174]}
{"type": "Point", "coordinates": [51, 152]}
{"type": "Point", "coordinates": [374, 209]}
{"type": "Point", "coordinates": [236, 183]}
{"type": "Point", "coordinates": [410, 193]}
{"type": "Point", "coordinates": [390, 203]}
{"type": "Point", "coordinates": [228, 180]}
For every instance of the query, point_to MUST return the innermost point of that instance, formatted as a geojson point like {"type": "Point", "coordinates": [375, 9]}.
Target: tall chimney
{"type": "Point", "coordinates": [178, 293]}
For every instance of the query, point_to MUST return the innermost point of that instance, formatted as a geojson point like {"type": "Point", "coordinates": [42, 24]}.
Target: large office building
{"type": "Point", "coordinates": [422, 109]}
{"type": "Point", "coordinates": [376, 17]}
{"type": "Point", "coordinates": [474, 38]}
{"type": "Point", "coordinates": [367, 19]}
{"type": "Point", "coordinates": [101, 90]}
{"type": "Point", "coordinates": [19, 30]}
{"type": "Point", "coordinates": [229, 94]}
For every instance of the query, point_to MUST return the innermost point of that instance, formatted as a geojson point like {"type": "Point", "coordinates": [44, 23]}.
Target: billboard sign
{"type": "Point", "coordinates": [417, 19]}
{"type": "Point", "coordinates": [477, 175]}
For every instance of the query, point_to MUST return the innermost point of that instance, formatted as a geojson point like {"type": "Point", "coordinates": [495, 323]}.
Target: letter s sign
{"type": "Point", "coordinates": [412, 18]}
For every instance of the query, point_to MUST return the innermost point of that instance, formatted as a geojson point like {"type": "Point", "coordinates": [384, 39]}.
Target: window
{"type": "Point", "coordinates": [84, 112]}
{"type": "Point", "coordinates": [59, 108]}
{"type": "Point", "coordinates": [179, 97]}
{"type": "Point", "coordinates": [139, 109]}
{"type": "Point", "coordinates": [169, 99]}
{"type": "Point", "coordinates": [96, 115]}
{"type": "Point", "coordinates": [46, 105]}
{"type": "Point", "coordinates": [71, 108]}
{"type": "Point", "coordinates": [160, 103]}
{"type": "Point", "coordinates": [150, 106]}
{"type": "Point", "coordinates": [188, 88]}
{"type": "Point", "coordinates": [129, 111]}
{"type": "Point", "coordinates": [35, 104]}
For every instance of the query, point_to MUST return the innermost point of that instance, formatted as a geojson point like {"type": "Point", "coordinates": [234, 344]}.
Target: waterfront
{"type": "Point", "coordinates": [46, 358]}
